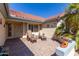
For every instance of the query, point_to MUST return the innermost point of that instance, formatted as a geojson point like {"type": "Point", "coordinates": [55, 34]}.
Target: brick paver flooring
{"type": "Point", "coordinates": [22, 47]}
{"type": "Point", "coordinates": [42, 48]}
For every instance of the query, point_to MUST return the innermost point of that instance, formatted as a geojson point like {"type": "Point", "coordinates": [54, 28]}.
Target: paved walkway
{"type": "Point", "coordinates": [22, 47]}
{"type": "Point", "coordinates": [42, 48]}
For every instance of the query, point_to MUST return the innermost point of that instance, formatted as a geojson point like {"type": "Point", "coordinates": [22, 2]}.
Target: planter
{"type": "Point", "coordinates": [69, 50]}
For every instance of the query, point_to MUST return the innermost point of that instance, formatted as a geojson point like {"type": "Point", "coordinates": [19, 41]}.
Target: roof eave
{"type": "Point", "coordinates": [24, 20]}
{"type": "Point", "coordinates": [6, 9]}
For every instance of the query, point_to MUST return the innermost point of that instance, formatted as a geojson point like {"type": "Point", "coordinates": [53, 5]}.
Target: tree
{"type": "Point", "coordinates": [71, 21]}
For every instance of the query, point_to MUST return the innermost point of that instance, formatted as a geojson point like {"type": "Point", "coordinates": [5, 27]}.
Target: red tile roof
{"type": "Point", "coordinates": [32, 17]}
{"type": "Point", "coordinates": [54, 17]}
{"type": "Point", "coordinates": [25, 16]}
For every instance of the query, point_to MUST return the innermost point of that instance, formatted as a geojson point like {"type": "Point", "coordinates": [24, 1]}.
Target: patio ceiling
{"type": "Point", "coordinates": [4, 9]}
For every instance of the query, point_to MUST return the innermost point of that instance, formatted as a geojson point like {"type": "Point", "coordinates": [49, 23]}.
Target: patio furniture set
{"type": "Point", "coordinates": [66, 47]}
{"type": "Point", "coordinates": [32, 37]}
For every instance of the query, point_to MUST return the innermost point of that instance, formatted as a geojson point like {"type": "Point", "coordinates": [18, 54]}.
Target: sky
{"type": "Point", "coordinates": [44, 10]}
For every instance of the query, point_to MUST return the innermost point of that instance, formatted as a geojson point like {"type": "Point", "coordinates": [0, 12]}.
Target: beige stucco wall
{"type": "Point", "coordinates": [51, 24]}
{"type": "Point", "coordinates": [2, 31]}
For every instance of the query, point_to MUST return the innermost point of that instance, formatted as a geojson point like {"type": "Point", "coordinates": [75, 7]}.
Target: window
{"type": "Point", "coordinates": [40, 27]}
{"type": "Point", "coordinates": [48, 25]}
{"type": "Point", "coordinates": [35, 28]}
{"type": "Point", "coordinates": [31, 27]}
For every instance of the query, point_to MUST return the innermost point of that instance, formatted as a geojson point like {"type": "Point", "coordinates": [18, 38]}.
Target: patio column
{"type": "Point", "coordinates": [24, 30]}
{"type": "Point", "coordinates": [38, 27]}
{"type": "Point", "coordinates": [27, 26]}
{"type": "Point", "coordinates": [12, 30]}
{"type": "Point", "coordinates": [33, 28]}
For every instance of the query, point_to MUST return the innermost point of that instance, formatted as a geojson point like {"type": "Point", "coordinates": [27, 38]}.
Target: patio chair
{"type": "Point", "coordinates": [31, 37]}
{"type": "Point", "coordinates": [43, 37]}
{"type": "Point", "coordinates": [25, 35]}
{"type": "Point", "coordinates": [39, 36]}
